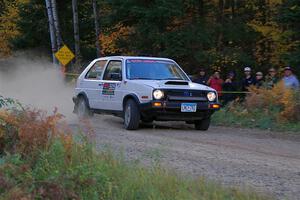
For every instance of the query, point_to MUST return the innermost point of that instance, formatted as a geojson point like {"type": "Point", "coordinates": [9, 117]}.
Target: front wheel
{"type": "Point", "coordinates": [203, 124]}
{"type": "Point", "coordinates": [131, 115]}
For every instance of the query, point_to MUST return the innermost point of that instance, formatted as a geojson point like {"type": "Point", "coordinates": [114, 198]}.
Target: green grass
{"type": "Point", "coordinates": [81, 173]}
{"type": "Point", "coordinates": [253, 119]}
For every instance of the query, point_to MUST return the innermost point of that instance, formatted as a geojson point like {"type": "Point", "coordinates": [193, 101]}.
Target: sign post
{"type": "Point", "coordinates": [64, 55]}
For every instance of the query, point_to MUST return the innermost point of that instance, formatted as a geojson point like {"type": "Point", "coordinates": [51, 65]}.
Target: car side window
{"type": "Point", "coordinates": [96, 71]}
{"type": "Point", "coordinates": [113, 71]}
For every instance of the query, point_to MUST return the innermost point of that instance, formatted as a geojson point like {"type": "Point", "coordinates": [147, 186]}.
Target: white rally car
{"type": "Point", "coordinates": [143, 89]}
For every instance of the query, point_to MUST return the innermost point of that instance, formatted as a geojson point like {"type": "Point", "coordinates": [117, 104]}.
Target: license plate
{"type": "Point", "coordinates": [188, 107]}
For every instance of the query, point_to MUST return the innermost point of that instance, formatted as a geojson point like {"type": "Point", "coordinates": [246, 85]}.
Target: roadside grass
{"type": "Point", "coordinates": [40, 158]}
{"type": "Point", "coordinates": [276, 109]}
{"type": "Point", "coordinates": [81, 173]}
{"type": "Point", "coordinates": [255, 118]}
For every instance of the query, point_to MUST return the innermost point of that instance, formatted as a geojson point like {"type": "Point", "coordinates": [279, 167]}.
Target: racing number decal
{"type": "Point", "coordinates": [109, 88]}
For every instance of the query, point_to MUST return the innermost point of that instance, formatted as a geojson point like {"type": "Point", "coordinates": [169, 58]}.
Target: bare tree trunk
{"type": "Point", "coordinates": [233, 7]}
{"type": "Point", "coordinates": [51, 30]}
{"type": "Point", "coordinates": [201, 8]}
{"type": "Point", "coordinates": [76, 32]}
{"type": "Point", "coordinates": [56, 24]}
{"type": "Point", "coordinates": [221, 21]}
{"type": "Point", "coordinates": [97, 28]}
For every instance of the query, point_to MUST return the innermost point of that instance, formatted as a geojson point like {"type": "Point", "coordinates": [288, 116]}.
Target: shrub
{"type": "Point", "coordinates": [285, 101]}
{"type": "Point", "coordinates": [26, 130]}
{"type": "Point", "coordinates": [276, 108]}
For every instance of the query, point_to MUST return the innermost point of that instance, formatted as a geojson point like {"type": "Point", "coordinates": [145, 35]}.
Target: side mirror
{"type": "Point", "coordinates": [115, 76]}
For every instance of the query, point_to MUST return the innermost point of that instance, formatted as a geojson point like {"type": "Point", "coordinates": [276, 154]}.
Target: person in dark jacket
{"type": "Point", "coordinates": [271, 79]}
{"type": "Point", "coordinates": [230, 85]}
{"type": "Point", "coordinates": [201, 78]}
{"type": "Point", "coordinates": [248, 80]}
{"type": "Point", "coordinates": [259, 79]}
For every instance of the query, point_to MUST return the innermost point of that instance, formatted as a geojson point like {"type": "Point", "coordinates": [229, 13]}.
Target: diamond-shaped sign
{"type": "Point", "coordinates": [64, 55]}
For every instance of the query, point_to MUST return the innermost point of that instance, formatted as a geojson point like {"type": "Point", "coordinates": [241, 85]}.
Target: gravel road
{"type": "Point", "coordinates": [268, 162]}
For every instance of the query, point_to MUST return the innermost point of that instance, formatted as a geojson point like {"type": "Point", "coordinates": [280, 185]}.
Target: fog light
{"type": "Point", "coordinates": [157, 104]}
{"type": "Point", "coordinates": [214, 106]}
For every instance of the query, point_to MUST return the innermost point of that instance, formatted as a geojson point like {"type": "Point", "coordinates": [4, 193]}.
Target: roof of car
{"type": "Point", "coordinates": [135, 57]}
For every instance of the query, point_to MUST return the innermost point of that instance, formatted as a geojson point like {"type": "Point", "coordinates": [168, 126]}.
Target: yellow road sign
{"type": "Point", "coordinates": [64, 55]}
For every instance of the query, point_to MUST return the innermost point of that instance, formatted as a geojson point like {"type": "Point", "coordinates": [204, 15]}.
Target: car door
{"type": "Point", "coordinates": [93, 83]}
{"type": "Point", "coordinates": [112, 86]}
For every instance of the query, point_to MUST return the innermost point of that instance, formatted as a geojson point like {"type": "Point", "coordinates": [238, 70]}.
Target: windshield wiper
{"type": "Point", "coordinates": [173, 79]}
{"type": "Point", "coordinates": [137, 78]}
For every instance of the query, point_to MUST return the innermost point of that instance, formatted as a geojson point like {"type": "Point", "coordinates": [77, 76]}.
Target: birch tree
{"type": "Point", "coordinates": [76, 31]}
{"type": "Point", "coordinates": [97, 28]}
{"type": "Point", "coordinates": [51, 29]}
{"type": "Point", "coordinates": [56, 24]}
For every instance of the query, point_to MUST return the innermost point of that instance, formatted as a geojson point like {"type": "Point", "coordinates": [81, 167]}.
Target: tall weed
{"type": "Point", "coordinates": [277, 108]}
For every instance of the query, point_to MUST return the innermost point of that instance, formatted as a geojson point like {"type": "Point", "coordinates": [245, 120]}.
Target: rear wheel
{"type": "Point", "coordinates": [131, 115]}
{"type": "Point", "coordinates": [203, 124]}
{"type": "Point", "coordinates": [83, 110]}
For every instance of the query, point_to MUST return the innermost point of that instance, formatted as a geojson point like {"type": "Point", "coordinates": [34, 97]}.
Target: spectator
{"type": "Point", "coordinates": [229, 85]}
{"type": "Point", "coordinates": [271, 79]}
{"type": "Point", "coordinates": [259, 79]}
{"type": "Point", "coordinates": [289, 79]}
{"type": "Point", "coordinates": [248, 80]}
{"type": "Point", "coordinates": [216, 82]}
{"type": "Point", "coordinates": [201, 77]}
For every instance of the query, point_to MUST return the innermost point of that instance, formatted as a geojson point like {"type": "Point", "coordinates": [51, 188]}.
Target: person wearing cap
{"type": "Point", "coordinates": [216, 82]}
{"type": "Point", "coordinates": [289, 79]}
{"type": "Point", "coordinates": [248, 80]}
{"type": "Point", "coordinates": [230, 85]}
{"type": "Point", "coordinates": [271, 79]}
{"type": "Point", "coordinates": [201, 78]}
{"type": "Point", "coordinates": [259, 79]}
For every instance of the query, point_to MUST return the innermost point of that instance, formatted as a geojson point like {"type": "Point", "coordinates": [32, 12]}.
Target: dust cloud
{"type": "Point", "coordinates": [35, 82]}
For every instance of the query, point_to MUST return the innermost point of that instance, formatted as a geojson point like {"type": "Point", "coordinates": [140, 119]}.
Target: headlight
{"type": "Point", "coordinates": [211, 96]}
{"type": "Point", "coordinates": [158, 94]}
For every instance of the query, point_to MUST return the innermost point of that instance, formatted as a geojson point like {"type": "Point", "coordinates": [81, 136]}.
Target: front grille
{"type": "Point", "coordinates": [186, 95]}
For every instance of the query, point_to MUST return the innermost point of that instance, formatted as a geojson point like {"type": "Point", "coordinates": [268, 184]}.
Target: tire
{"type": "Point", "coordinates": [131, 115]}
{"type": "Point", "coordinates": [203, 124]}
{"type": "Point", "coordinates": [83, 111]}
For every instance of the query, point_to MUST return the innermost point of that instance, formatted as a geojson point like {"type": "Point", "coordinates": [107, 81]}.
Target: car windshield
{"type": "Point", "coordinates": [153, 70]}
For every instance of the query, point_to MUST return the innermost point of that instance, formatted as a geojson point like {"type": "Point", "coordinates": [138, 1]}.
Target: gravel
{"type": "Point", "coordinates": [265, 161]}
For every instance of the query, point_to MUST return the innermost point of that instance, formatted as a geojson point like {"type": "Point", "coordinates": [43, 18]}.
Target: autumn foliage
{"type": "Point", "coordinates": [285, 101]}
{"type": "Point", "coordinates": [26, 131]}
{"type": "Point", "coordinates": [277, 109]}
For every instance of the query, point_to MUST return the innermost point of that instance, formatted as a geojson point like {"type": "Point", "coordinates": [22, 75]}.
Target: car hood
{"type": "Point", "coordinates": [173, 84]}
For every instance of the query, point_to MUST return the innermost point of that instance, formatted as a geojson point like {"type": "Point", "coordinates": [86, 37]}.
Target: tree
{"type": "Point", "coordinates": [8, 27]}
{"type": "Point", "coordinates": [76, 31]}
{"type": "Point", "coordinates": [289, 15]}
{"type": "Point", "coordinates": [56, 24]}
{"type": "Point", "coordinates": [97, 27]}
{"type": "Point", "coordinates": [51, 29]}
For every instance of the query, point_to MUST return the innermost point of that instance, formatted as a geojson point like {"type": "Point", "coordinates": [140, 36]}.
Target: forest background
{"type": "Point", "coordinates": [227, 35]}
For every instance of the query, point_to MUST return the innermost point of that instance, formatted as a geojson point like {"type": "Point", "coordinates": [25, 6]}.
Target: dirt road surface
{"type": "Point", "coordinates": [234, 157]}
{"type": "Point", "coordinates": [267, 162]}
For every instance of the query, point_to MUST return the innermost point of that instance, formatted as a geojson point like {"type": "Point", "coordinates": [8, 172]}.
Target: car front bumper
{"type": "Point", "coordinates": [171, 111]}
